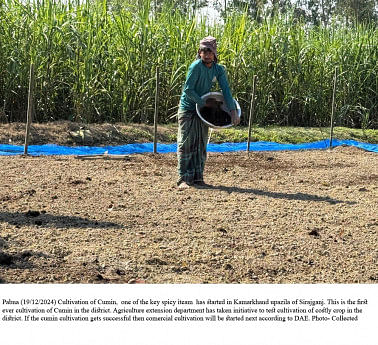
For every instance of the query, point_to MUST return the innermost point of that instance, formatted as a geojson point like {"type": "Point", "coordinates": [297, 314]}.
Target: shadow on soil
{"type": "Point", "coordinates": [295, 196]}
{"type": "Point", "coordinates": [49, 220]}
{"type": "Point", "coordinates": [20, 261]}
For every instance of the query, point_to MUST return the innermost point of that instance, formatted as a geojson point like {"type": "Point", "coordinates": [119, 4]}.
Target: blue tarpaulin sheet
{"type": "Point", "coordinates": [39, 150]}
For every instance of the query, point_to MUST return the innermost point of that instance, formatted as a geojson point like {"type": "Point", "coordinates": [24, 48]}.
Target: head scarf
{"type": "Point", "coordinates": [209, 42]}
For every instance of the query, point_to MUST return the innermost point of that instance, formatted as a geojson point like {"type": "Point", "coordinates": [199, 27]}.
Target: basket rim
{"type": "Point", "coordinates": [216, 93]}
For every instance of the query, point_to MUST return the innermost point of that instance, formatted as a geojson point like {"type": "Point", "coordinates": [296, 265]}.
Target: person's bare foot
{"type": "Point", "coordinates": [183, 185]}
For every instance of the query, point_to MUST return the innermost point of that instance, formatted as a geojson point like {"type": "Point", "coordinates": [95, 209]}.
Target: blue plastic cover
{"type": "Point", "coordinates": [39, 150]}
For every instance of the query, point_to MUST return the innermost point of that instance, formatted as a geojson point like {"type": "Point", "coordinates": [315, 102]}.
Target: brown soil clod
{"type": "Point", "coordinates": [32, 213]}
{"type": "Point", "coordinates": [5, 259]}
{"type": "Point", "coordinates": [228, 267]}
{"type": "Point", "coordinates": [314, 233]}
{"type": "Point", "coordinates": [223, 231]}
{"type": "Point", "coordinates": [120, 272]}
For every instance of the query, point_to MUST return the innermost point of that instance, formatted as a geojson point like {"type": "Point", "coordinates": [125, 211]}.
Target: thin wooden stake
{"type": "Point", "coordinates": [333, 108]}
{"type": "Point", "coordinates": [210, 132]}
{"type": "Point", "coordinates": [30, 108]}
{"type": "Point", "coordinates": [251, 108]}
{"type": "Point", "coordinates": [156, 109]}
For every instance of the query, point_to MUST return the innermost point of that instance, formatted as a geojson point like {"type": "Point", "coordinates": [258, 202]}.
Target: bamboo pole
{"type": "Point", "coordinates": [210, 133]}
{"type": "Point", "coordinates": [30, 108]}
{"type": "Point", "coordinates": [333, 108]}
{"type": "Point", "coordinates": [156, 109]}
{"type": "Point", "coordinates": [251, 109]}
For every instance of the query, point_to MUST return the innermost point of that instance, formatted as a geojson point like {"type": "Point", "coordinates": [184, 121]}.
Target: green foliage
{"type": "Point", "coordinates": [96, 61]}
{"type": "Point", "coordinates": [289, 135]}
{"type": "Point", "coordinates": [292, 135]}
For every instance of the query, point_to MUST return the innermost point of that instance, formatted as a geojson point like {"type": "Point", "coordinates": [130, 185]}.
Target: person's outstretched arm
{"type": "Point", "coordinates": [223, 83]}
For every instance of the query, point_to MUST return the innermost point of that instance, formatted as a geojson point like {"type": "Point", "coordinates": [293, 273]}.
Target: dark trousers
{"type": "Point", "coordinates": [191, 146]}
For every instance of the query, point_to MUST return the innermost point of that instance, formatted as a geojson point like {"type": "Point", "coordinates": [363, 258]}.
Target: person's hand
{"type": "Point", "coordinates": [235, 119]}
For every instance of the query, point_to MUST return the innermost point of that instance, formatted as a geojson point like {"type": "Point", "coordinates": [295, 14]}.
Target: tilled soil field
{"type": "Point", "coordinates": [280, 217]}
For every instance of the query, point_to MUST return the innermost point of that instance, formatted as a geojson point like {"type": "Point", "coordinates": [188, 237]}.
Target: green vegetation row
{"type": "Point", "coordinates": [97, 63]}
{"type": "Point", "coordinates": [285, 135]}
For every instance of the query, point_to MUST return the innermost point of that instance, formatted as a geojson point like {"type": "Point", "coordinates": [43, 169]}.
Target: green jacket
{"type": "Point", "coordinates": [200, 80]}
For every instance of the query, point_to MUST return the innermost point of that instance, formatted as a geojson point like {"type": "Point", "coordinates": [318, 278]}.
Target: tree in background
{"type": "Point", "coordinates": [254, 8]}
{"type": "Point", "coordinates": [278, 7]}
{"type": "Point", "coordinates": [186, 7]}
{"type": "Point", "coordinates": [357, 11]}
{"type": "Point", "coordinates": [350, 11]}
{"type": "Point", "coordinates": [315, 12]}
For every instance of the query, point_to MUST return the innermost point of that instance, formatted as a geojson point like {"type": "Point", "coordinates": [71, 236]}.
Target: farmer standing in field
{"type": "Point", "coordinates": [192, 132]}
